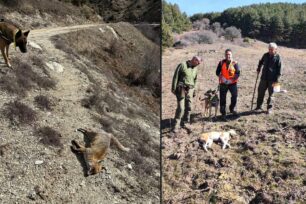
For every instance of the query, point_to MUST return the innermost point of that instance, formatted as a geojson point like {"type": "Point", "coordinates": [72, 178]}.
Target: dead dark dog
{"type": "Point", "coordinates": [210, 99]}
{"type": "Point", "coordinates": [11, 34]}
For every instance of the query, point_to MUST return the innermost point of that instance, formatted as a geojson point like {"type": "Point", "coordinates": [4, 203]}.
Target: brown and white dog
{"type": "Point", "coordinates": [209, 137]}
{"type": "Point", "coordinates": [11, 34]}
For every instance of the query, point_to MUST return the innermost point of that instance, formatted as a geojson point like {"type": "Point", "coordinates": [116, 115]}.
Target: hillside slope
{"type": "Point", "coordinates": [54, 89]}
{"type": "Point", "coordinates": [266, 163]}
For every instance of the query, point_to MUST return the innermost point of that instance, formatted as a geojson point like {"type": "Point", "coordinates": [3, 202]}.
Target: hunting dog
{"type": "Point", "coordinates": [209, 137]}
{"type": "Point", "coordinates": [97, 150]}
{"type": "Point", "coordinates": [211, 100]}
{"type": "Point", "coordinates": [11, 34]}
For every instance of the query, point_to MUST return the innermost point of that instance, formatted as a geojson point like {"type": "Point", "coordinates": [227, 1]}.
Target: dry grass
{"type": "Point", "coordinates": [266, 146]}
{"type": "Point", "coordinates": [131, 64]}
{"type": "Point", "coordinates": [52, 7]}
{"type": "Point", "coordinates": [44, 102]}
{"type": "Point", "coordinates": [23, 78]}
{"type": "Point", "coordinates": [49, 137]}
{"type": "Point", "coordinates": [19, 113]}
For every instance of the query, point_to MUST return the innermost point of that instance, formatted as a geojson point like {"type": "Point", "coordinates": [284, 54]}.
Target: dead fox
{"type": "Point", "coordinates": [96, 152]}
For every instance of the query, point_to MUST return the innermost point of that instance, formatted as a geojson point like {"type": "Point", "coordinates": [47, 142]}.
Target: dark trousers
{"type": "Point", "coordinates": [184, 106]}
{"type": "Point", "coordinates": [223, 91]}
{"type": "Point", "coordinates": [263, 86]}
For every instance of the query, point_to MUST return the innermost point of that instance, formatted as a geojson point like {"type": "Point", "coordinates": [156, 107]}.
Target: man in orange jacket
{"type": "Point", "coordinates": [228, 72]}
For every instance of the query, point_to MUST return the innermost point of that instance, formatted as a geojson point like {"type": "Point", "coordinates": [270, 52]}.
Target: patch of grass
{"type": "Point", "coordinates": [135, 156]}
{"type": "Point", "coordinates": [12, 86]}
{"type": "Point", "coordinates": [43, 102]}
{"type": "Point", "coordinates": [23, 78]}
{"type": "Point", "coordinates": [19, 113]}
{"type": "Point", "coordinates": [49, 137]}
{"type": "Point", "coordinates": [90, 101]}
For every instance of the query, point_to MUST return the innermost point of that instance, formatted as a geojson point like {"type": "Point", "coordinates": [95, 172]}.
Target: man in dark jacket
{"type": "Point", "coordinates": [271, 73]}
{"type": "Point", "coordinates": [183, 86]}
{"type": "Point", "coordinates": [228, 72]}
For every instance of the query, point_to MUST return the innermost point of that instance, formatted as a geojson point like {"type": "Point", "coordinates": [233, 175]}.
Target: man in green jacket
{"type": "Point", "coordinates": [183, 86]}
{"type": "Point", "coordinates": [271, 73]}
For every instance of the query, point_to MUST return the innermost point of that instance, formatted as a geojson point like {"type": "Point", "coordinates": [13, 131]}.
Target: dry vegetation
{"type": "Point", "coordinates": [19, 113]}
{"type": "Point", "coordinates": [44, 102]}
{"type": "Point", "coordinates": [26, 76]}
{"type": "Point", "coordinates": [266, 163]}
{"type": "Point", "coordinates": [49, 137]}
{"type": "Point", "coordinates": [133, 63]}
{"type": "Point", "coordinates": [132, 66]}
{"type": "Point", "coordinates": [45, 13]}
{"type": "Point", "coordinates": [91, 91]}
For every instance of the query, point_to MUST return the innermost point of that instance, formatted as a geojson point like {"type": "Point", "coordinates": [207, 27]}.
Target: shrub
{"type": "Point", "coordinates": [43, 102]}
{"type": "Point", "coordinates": [202, 24]}
{"type": "Point", "coordinates": [200, 37]}
{"type": "Point", "coordinates": [247, 40]}
{"type": "Point", "coordinates": [216, 28]}
{"type": "Point", "coordinates": [23, 78]}
{"type": "Point", "coordinates": [231, 33]}
{"type": "Point", "coordinates": [91, 101]}
{"type": "Point", "coordinates": [206, 37]}
{"type": "Point", "coordinates": [167, 38]}
{"type": "Point", "coordinates": [11, 85]}
{"type": "Point", "coordinates": [49, 136]}
{"type": "Point", "coordinates": [19, 113]}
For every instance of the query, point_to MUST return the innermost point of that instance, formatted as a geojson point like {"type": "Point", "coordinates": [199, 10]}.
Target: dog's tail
{"type": "Point", "coordinates": [119, 145]}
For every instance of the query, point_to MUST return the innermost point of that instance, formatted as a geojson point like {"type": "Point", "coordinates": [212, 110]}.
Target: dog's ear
{"type": "Point", "coordinates": [26, 33]}
{"type": "Point", "coordinates": [18, 34]}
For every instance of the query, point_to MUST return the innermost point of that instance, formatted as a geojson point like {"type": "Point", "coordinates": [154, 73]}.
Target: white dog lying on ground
{"type": "Point", "coordinates": [209, 137]}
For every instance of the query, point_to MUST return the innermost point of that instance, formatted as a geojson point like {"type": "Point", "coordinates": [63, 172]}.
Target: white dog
{"type": "Point", "coordinates": [208, 138]}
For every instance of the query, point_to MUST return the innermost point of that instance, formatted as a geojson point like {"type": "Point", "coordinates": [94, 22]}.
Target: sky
{"type": "Point", "coordinates": [204, 6]}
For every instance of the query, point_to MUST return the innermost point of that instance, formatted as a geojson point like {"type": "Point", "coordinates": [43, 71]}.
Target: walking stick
{"type": "Point", "coordinates": [254, 91]}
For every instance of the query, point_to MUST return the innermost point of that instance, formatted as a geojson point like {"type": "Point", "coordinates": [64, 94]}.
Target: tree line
{"type": "Point", "coordinates": [283, 23]}
{"type": "Point", "coordinates": [173, 20]}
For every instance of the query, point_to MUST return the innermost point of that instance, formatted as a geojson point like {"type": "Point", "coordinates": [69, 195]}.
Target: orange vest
{"type": "Point", "coordinates": [228, 74]}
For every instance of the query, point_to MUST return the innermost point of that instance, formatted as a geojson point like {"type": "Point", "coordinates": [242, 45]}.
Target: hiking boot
{"type": "Point", "coordinates": [176, 126]}
{"type": "Point", "coordinates": [258, 109]}
{"type": "Point", "coordinates": [269, 111]}
{"type": "Point", "coordinates": [175, 129]}
{"type": "Point", "coordinates": [234, 112]}
{"type": "Point", "coordinates": [223, 118]}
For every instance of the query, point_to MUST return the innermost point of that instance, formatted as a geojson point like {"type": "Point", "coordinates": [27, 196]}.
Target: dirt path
{"type": "Point", "coordinates": [45, 33]}
{"type": "Point", "coordinates": [60, 177]}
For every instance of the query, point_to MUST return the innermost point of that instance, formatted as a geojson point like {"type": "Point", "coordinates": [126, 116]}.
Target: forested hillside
{"type": "Point", "coordinates": [283, 23]}
{"type": "Point", "coordinates": [173, 20]}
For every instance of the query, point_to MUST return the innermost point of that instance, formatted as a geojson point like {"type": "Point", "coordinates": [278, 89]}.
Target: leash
{"type": "Point", "coordinates": [254, 91]}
